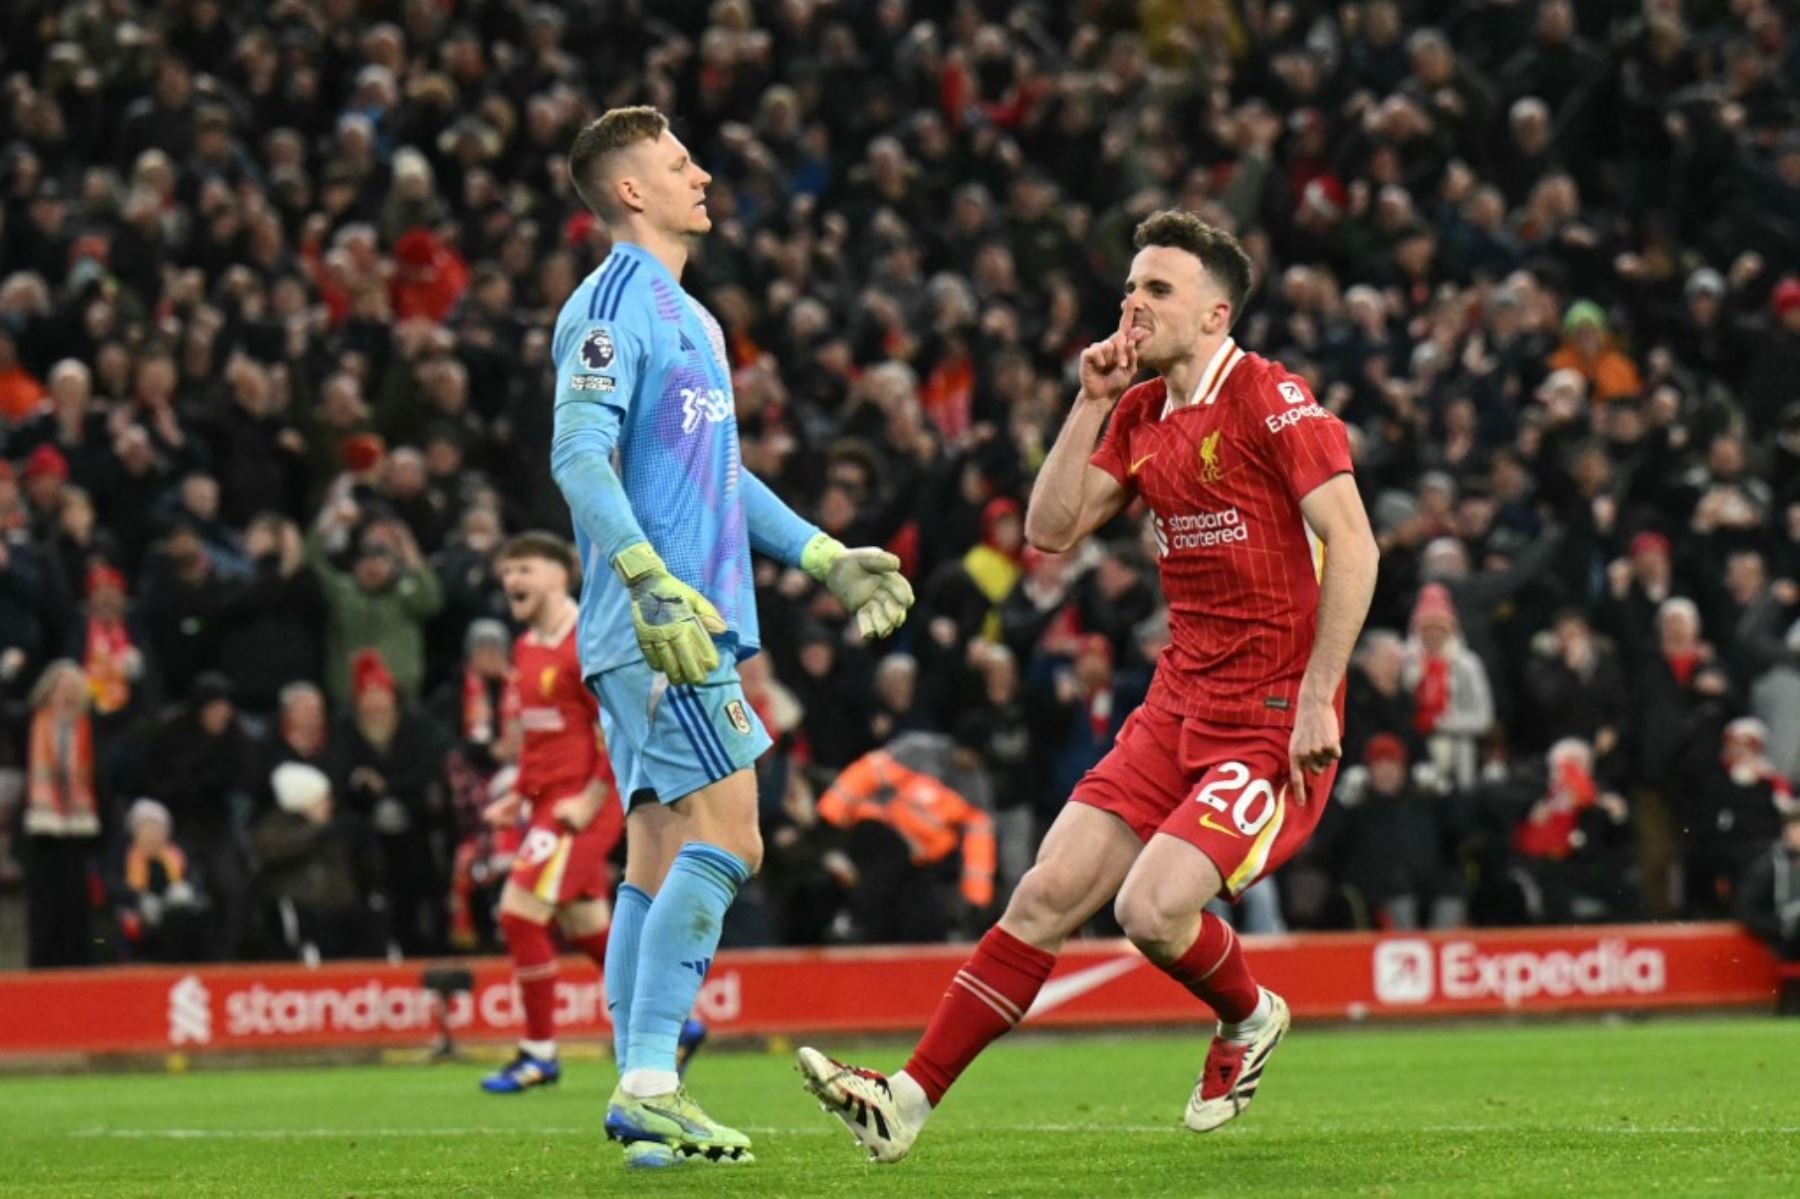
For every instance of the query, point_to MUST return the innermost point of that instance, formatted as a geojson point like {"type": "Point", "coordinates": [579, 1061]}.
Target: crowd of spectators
{"type": "Point", "coordinates": [276, 283]}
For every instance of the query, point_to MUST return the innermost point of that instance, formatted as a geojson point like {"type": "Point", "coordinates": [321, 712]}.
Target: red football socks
{"type": "Point", "coordinates": [534, 969]}
{"type": "Point", "coordinates": [1214, 969]}
{"type": "Point", "coordinates": [594, 945]}
{"type": "Point", "coordinates": [989, 995]}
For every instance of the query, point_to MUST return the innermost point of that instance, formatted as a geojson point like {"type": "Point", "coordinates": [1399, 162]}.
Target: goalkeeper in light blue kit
{"type": "Point", "coordinates": [646, 454]}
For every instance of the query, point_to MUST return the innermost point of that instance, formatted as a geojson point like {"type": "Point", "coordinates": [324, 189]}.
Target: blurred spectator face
{"type": "Point", "coordinates": [150, 833]}
{"type": "Point", "coordinates": [406, 477]}
{"type": "Point", "coordinates": [1387, 774]}
{"type": "Point", "coordinates": [1093, 664]}
{"type": "Point", "coordinates": [1678, 628]}
{"type": "Point", "coordinates": [1116, 576]}
{"type": "Point", "coordinates": [1725, 458]}
{"type": "Point", "coordinates": [481, 529]}
{"type": "Point", "coordinates": [71, 387]}
{"type": "Point", "coordinates": [1556, 22]}
{"type": "Point", "coordinates": [77, 515]}
{"type": "Point", "coordinates": [837, 511]}
{"type": "Point", "coordinates": [1529, 121]}
{"type": "Point", "coordinates": [817, 657]}
{"type": "Point", "coordinates": [375, 566]}
{"type": "Point", "coordinates": [1745, 576]}
{"type": "Point", "coordinates": [1381, 22]}
{"type": "Point", "coordinates": [1650, 563]}
{"type": "Point", "coordinates": [1573, 637]}
{"type": "Point", "coordinates": [303, 721]}
{"type": "Point", "coordinates": [1382, 662]}
{"type": "Point", "coordinates": [185, 551]}
{"type": "Point", "coordinates": [200, 496]}
{"type": "Point", "coordinates": [895, 681]}
{"type": "Point", "coordinates": [215, 717]}
{"type": "Point", "coordinates": [1592, 470]}
{"type": "Point", "coordinates": [377, 707]}
{"type": "Point", "coordinates": [1435, 632]}
{"type": "Point", "coordinates": [67, 698]}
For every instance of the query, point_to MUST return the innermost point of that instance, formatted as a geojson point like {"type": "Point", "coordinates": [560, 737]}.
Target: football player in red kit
{"type": "Point", "coordinates": [564, 791]}
{"type": "Point", "coordinates": [1268, 565]}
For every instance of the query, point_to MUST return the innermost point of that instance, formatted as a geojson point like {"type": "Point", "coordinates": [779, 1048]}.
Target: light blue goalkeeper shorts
{"type": "Point", "coordinates": [665, 743]}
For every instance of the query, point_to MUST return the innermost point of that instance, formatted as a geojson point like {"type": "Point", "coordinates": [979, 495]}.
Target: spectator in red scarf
{"type": "Point", "coordinates": [1573, 846]}
{"type": "Point", "coordinates": [110, 656]}
{"type": "Point", "coordinates": [62, 820]}
{"type": "Point", "coordinates": [1453, 707]}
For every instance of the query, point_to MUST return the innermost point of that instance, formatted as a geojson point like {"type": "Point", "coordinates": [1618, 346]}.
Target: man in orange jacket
{"type": "Point", "coordinates": [903, 825]}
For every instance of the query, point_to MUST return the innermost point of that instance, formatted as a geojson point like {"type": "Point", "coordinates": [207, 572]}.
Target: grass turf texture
{"type": "Point", "coordinates": [1676, 1107]}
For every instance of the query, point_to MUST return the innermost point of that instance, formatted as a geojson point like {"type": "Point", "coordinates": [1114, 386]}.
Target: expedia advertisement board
{"type": "Point", "coordinates": [1096, 983]}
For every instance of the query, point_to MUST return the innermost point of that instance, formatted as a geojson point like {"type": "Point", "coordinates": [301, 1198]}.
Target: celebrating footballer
{"type": "Point", "coordinates": [1268, 566]}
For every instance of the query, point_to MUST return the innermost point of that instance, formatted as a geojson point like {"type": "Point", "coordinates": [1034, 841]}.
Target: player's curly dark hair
{"type": "Point", "coordinates": [536, 544]}
{"type": "Point", "coordinates": [615, 130]}
{"type": "Point", "coordinates": [1218, 251]}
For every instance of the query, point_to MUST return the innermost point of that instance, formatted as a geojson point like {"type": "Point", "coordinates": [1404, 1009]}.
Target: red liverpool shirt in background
{"type": "Point", "coordinates": [562, 749]}
{"type": "Point", "coordinates": [1223, 477]}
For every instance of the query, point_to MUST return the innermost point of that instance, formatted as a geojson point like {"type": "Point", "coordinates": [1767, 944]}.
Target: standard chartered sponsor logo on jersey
{"type": "Point", "coordinates": [1199, 530]}
{"type": "Point", "coordinates": [1293, 416]}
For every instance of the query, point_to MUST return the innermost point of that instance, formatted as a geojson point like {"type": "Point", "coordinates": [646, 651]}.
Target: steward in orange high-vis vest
{"type": "Point", "coordinates": [931, 818]}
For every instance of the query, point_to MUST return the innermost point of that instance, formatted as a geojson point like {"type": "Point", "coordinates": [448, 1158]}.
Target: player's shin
{"type": "Point", "coordinates": [533, 956]}
{"type": "Point", "coordinates": [1214, 970]}
{"type": "Point", "coordinates": [680, 935]}
{"type": "Point", "coordinates": [988, 996]}
{"type": "Point", "coordinates": [623, 940]}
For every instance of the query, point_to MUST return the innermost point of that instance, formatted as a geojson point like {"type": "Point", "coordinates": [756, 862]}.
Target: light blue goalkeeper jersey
{"type": "Point", "coordinates": [642, 383]}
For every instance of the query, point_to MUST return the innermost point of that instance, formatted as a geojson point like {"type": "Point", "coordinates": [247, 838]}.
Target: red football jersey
{"type": "Point", "coordinates": [1223, 477]}
{"type": "Point", "coordinates": [562, 749]}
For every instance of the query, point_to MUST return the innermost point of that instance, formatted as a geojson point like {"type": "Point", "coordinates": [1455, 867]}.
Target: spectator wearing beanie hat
{"type": "Point", "coordinates": [1769, 384]}
{"type": "Point", "coordinates": [390, 756]}
{"type": "Point", "coordinates": [1453, 706]}
{"type": "Point", "coordinates": [320, 884]}
{"type": "Point", "coordinates": [1397, 848]}
{"type": "Point", "coordinates": [158, 899]}
{"type": "Point", "coordinates": [1588, 349]}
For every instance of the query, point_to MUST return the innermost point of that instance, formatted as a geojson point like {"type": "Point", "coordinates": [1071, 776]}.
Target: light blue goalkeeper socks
{"type": "Point", "coordinates": [680, 934]}
{"type": "Point", "coordinates": [631, 906]}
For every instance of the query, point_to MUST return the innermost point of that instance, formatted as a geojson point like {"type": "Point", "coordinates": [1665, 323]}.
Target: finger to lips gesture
{"type": "Point", "coordinates": [1108, 367]}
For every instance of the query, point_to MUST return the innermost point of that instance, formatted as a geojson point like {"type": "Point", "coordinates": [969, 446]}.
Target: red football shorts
{"type": "Point", "coordinates": [561, 867]}
{"type": "Point", "coordinates": [1222, 788]}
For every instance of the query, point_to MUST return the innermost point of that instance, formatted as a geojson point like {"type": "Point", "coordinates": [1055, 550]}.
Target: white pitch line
{"type": "Point", "coordinates": [283, 1134]}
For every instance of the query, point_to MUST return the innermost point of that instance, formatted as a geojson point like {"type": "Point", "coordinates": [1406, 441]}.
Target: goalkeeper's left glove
{"type": "Point", "coordinates": [867, 582]}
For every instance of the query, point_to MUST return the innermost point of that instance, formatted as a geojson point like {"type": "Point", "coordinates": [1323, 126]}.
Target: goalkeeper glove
{"type": "Point", "coordinates": [674, 623]}
{"type": "Point", "coordinates": [866, 581]}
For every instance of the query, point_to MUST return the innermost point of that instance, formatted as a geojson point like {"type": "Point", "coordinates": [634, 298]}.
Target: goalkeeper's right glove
{"type": "Point", "coordinates": [675, 624]}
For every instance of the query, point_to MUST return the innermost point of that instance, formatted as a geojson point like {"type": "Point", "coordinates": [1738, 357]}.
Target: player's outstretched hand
{"type": "Point", "coordinates": [1108, 367]}
{"type": "Point", "coordinates": [675, 624]}
{"type": "Point", "coordinates": [1314, 745]}
{"type": "Point", "coordinates": [866, 581]}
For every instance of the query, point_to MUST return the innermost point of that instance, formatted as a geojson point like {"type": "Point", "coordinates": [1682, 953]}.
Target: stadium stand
{"type": "Point", "coordinates": [276, 280]}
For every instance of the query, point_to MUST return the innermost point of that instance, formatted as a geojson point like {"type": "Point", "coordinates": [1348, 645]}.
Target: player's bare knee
{"type": "Point", "coordinates": [1039, 911]}
{"type": "Point", "coordinates": [1153, 926]}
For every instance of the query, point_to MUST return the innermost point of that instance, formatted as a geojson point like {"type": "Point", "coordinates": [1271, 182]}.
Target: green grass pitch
{"type": "Point", "coordinates": [1677, 1107]}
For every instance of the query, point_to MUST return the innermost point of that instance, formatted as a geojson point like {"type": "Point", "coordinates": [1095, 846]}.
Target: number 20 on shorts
{"type": "Point", "coordinates": [1254, 806]}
